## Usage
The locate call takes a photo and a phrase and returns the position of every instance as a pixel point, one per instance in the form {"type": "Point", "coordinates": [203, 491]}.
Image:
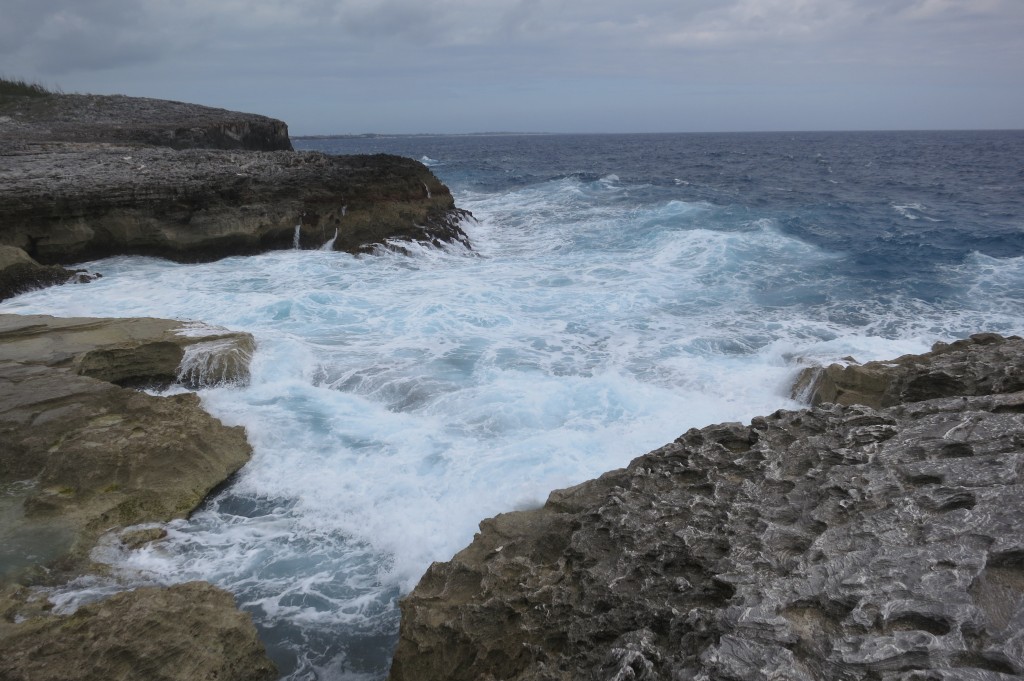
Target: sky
{"type": "Point", "coordinates": [458, 66]}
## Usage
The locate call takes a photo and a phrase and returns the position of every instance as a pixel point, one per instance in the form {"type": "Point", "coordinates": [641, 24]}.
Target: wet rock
{"type": "Point", "coordinates": [837, 542]}
{"type": "Point", "coordinates": [984, 363]}
{"type": "Point", "coordinates": [83, 455]}
{"type": "Point", "coordinates": [20, 273]}
{"type": "Point", "coordinates": [189, 632]}
{"type": "Point", "coordinates": [66, 203]}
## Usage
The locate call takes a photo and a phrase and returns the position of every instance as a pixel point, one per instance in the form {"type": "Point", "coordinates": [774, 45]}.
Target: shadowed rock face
{"type": "Point", "coordinates": [20, 273]}
{"type": "Point", "coordinates": [186, 632]}
{"type": "Point", "coordinates": [839, 542]}
{"type": "Point", "coordinates": [69, 203]}
{"type": "Point", "coordinates": [85, 177]}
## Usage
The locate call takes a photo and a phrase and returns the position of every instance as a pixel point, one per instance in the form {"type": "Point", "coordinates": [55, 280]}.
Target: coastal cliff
{"type": "Point", "coordinates": [85, 177]}
{"type": "Point", "coordinates": [838, 542]}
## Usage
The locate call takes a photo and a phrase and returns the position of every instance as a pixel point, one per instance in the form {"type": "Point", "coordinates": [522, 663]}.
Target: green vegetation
{"type": "Point", "coordinates": [16, 87]}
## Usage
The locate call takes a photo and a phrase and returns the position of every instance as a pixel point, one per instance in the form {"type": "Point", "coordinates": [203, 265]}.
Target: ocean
{"type": "Point", "coordinates": [621, 289]}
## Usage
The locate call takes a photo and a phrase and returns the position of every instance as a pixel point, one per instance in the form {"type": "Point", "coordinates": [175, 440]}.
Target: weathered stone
{"type": "Point", "coordinates": [82, 455]}
{"type": "Point", "coordinates": [85, 177]}
{"type": "Point", "coordinates": [20, 273]}
{"type": "Point", "coordinates": [135, 351]}
{"type": "Point", "coordinates": [838, 542]}
{"type": "Point", "coordinates": [136, 120]}
{"type": "Point", "coordinates": [984, 363]}
{"type": "Point", "coordinates": [65, 203]}
{"type": "Point", "coordinates": [189, 632]}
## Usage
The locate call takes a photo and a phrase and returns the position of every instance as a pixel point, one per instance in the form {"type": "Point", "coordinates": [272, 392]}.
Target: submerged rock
{"type": "Point", "coordinates": [189, 632]}
{"type": "Point", "coordinates": [838, 542]}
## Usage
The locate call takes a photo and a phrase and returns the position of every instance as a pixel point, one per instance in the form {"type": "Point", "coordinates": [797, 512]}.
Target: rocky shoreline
{"type": "Point", "coordinates": [85, 457]}
{"type": "Point", "coordinates": [85, 177]}
{"type": "Point", "coordinates": [85, 454]}
{"type": "Point", "coordinates": [843, 541]}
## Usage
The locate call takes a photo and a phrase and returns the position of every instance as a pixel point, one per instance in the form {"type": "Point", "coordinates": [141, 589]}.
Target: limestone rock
{"type": "Point", "coordinates": [838, 542]}
{"type": "Point", "coordinates": [983, 363]}
{"type": "Point", "coordinates": [137, 120]}
{"type": "Point", "coordinates": [189, 632]}
{"type": "Point", "coordinates": [83, 455]}
{"type": "Point", "coordinates": [85, 177]}
{"type": "Point", "coordinates": [20, 273]}
{"type": "Point", "coordinates": [65, 203]}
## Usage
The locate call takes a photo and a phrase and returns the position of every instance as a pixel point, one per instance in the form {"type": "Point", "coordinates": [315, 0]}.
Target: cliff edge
{"type": "Point", "coordinates": [838, 542]}
{"type": "Point", "coordinates": [85, 177]}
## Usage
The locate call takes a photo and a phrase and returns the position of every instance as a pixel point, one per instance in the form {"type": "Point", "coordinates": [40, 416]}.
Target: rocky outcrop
{"type": "Point", "coordinates": [837, 542]}
{"type": "Point", "coordinates": [983, 364]}
{"type": "Point", "coordinates": [85, 177]}
{"type": "Point", "coordinates": [20, 273]}
{"type": "Point", "coordinates": [83, 455]}
{"type": "Point", "coordinates": [136, 120]}
{"type": "Point", "coordinates": [70, 203]}
{"type": "Point", "coordinates": [189, 632]}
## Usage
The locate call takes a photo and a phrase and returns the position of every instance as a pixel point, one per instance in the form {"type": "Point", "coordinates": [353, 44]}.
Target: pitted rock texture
{"type": "Point", "coordinates": [66, 203]}
{"type": "Point", "coordinates": [136, 120]}
{"type": "Point", "coordinates": [982, 364]}
{"type": "Point", "coordinates": [189, 632]}
{"type": "Point", "coordinates": [838, 542]}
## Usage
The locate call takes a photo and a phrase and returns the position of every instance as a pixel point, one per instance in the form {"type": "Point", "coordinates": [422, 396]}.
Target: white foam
{"type": "Point", "coordinates": [395, 401]}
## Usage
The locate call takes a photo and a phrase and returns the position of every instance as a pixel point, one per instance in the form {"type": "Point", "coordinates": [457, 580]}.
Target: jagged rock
{"type": "Point", "coordinates": [838, 542]}
{"type": "Point", "coordinates": [82, 455]}
{"type": "Point", "coordinates": [20, 273]}
{"type": "Point", "coordinates": [984, 363]}
{"type": "Point", "coordinates": [189, 632]}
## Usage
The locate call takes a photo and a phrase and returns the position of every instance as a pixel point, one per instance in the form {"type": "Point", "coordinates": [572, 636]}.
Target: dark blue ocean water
{"type": "Point", "coordinates": [900, 206]}
{"type": "Point", "coordinates": [621, 289]}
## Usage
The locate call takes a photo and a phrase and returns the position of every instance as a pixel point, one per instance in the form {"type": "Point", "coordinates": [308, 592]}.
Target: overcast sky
{"type": "Point", "coordinates": [353, 66]}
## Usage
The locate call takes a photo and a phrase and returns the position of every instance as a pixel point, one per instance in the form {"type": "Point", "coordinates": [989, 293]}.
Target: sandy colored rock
{"type": "Point", "coordinates": [189, 632]}
{"type": "Point", "coordinates": [82, 455]}
{"type": "Point", "coordinates": [838, 542]}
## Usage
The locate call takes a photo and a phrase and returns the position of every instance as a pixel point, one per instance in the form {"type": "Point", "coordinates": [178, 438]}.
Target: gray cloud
{"type": "Point", "coordinates": [551, 53]}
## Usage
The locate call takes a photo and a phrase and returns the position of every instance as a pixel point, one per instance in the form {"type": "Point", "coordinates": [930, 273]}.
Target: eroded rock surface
{"type": "Point", "coordinates": [839, 542]}
{"type": "Point", "coordinates": [189, 632]}
{"type": "Point", "coordinates": [982, 364]}
{"type": "Point", "coordinates": [82, 455]}
{"type": "Point", "coordinates": [66, 203]}
{"type": "Point", "coordinates": [85, 177]}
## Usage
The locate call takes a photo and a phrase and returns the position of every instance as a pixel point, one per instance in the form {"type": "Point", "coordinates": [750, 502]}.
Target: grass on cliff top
{"type": "Point", "coordinates": [16, 87]}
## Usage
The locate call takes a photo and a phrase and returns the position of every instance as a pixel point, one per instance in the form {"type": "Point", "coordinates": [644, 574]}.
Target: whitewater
{"type": "Point", "coordinates": [397, 399]}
